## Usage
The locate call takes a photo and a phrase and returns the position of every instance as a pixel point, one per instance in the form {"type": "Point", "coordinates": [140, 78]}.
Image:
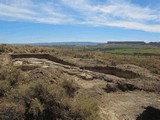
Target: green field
{"type": "Point", "coordinates": [126, 49]}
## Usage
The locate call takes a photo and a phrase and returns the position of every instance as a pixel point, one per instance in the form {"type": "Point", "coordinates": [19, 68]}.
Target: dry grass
{"type": "Point", "coordinates": [25, 49]}
{"type": "Point", "coordinates": [38, 99]}
{"type": "Point", "coordinates": [151, 63]}
{"type": "Point", "coordinates": [29, 98]}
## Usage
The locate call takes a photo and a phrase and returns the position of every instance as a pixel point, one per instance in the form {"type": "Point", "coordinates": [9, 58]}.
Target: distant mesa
{"type": "Point", "coordinates": [132, 43]}
{"type": "Point", "coordinates": [127, 42]}
{"type": "Point", "coordinates": [155, 44]}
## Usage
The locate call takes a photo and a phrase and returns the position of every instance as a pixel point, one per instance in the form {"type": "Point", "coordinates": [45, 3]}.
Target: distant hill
{"type": "Point", "coordinates": [91, 43]}
{"type": "Point", "coordinates": [66, 44]}
{"type": "Point", "coordinates": [127, 42]}
{"type": "Point", "coordinates": [154, 44]}
{"type": "Point", "coordinates": [131, 43]}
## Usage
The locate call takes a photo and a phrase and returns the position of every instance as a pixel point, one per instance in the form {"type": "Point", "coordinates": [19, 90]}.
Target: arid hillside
{"type": "Point", "coordinates": [69, 83]}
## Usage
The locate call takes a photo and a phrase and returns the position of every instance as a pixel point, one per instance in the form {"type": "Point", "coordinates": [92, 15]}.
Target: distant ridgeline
{"type": "Point", "coordinates": [154, 43]}
{"type": "Point", "coordinates": [127, 42]}
{"type": "Point", "coordinates": [133, 42]}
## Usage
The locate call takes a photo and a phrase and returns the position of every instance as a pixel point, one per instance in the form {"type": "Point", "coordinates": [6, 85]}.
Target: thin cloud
{"type": "Point", "coordinates": [116, 13]}
{"type": "Point", "coordinates": [29, 11]}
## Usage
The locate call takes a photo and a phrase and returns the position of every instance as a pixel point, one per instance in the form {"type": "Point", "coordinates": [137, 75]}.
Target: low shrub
{"type": "Point", "coordinates": [41, 99]}
{"type": "Point", "coordinates": [36, 109]}
{"type": "Point", "coordinates": [11, 111]}
{"type": "Point", "coordinates": [85, 108]}
{"type": "Point", "coordinates": [4, 87]}
{"type": "Point", "coordinates": [70, 87]}
{"type": "Point", "coordinates": [14, 75]}
{"type": "Point", "coordinates": [45, 101]}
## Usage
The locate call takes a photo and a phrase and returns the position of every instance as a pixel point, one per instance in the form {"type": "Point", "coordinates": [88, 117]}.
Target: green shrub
{"type": "Point", "coordinates": [85, 108]}
{"type": "Point", "coordinates": [50, 101]}
{"type": "Point", "coordinates": [42, 100]}
{"type": "Point", "coordinates": [14, 75]}
{"type": "Point", "coordinates": [36, 109]}
{"type": "Point", "coordinates": [4, 87]}
{"type": "Point", "coordinates": [70, 87]}
{"type": "Point", "coordinates": [3, 73]}
{"type": "Point", "coordinates": [11, 111]}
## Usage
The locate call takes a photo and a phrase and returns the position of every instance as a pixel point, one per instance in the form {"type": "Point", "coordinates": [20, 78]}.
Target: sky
{"type": "Point", "coordinates": [32, 21]}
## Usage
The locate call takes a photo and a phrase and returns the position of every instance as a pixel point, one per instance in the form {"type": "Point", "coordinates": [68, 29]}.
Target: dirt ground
{"type": "Point", "coordinates": [124, 91]}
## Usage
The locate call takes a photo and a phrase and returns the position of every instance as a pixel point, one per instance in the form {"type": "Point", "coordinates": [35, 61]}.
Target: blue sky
{"type": "Point", "coordinates": [23, 21]}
